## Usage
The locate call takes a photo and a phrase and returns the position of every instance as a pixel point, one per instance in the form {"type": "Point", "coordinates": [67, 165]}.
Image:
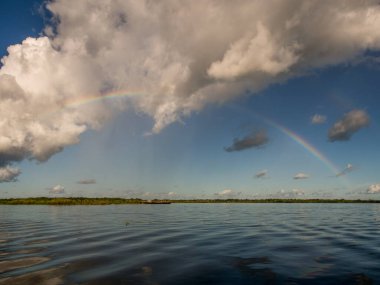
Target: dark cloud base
{"type": "Point", "coordinates": [253, 140]}
{"type": "Point", "coordinates": [348, 125]}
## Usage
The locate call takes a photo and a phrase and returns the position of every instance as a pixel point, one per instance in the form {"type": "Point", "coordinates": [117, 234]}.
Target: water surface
{"type": "Point", "coordinates": [191, 244]}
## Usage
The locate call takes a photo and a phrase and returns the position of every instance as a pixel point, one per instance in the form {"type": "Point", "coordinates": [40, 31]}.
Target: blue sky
{"type": "Point", "coordinates": [187, 158]}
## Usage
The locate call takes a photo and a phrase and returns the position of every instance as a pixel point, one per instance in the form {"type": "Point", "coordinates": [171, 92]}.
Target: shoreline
{"type": "Point", "coordinates": [136, 201]}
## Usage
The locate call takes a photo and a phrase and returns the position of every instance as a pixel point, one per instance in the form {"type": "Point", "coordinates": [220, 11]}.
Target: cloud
{"type": "Point", "coordinates": [298, 192]}
{"type": "Point", "coordinates": [288, 194]}
{"type": "Point", "coordinates": [262, 174]}
{"type": "Point", "coordinates": [227, 193]}
{"type": "Point", "coordinates": [349, 167]}
{"type": "Point", "coordinates": [176, 65]}
{"type": "Point", "coordinates": [152, 195]}
{"type": "Point", "coordinates": [57, 189]}
{"type": "Point", "coordinates": [348, 125]}
{"type": "Point", "coordinates": [253, 140]}
{"type": "Point", "coordinates": [86, 181]}
{"type": "Point", "coordinates": [318, 119]}
{"type": "Point", "coordinates": [373, 189]}
{"type": "Point", "coordinates": [9, 174]}
{"type": "Point", "coordinates": [301, 175]}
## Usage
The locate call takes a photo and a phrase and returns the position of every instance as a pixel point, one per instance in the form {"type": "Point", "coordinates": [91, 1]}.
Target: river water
{"type": "Point", "coordinates": [191, 244]}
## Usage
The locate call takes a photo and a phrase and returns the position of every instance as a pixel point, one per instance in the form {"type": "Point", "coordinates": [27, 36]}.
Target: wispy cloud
{"type": "Point", "coordinates": [318, 119]}
{"type": "Point", "coordinates": [349, 167]}
{"type": "Point", "coordinates": [351, 122]}
{"type": "Point", "coordinates": [86, 181]}
{"type": "Point", "coordinates": [252, 140]}
{"type": "Point", "coordinates": [301, 175]}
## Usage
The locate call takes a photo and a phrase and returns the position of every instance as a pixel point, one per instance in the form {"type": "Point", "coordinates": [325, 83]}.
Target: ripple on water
{"type": "Point", "coordinates": [8, 265]}
{"type": "Point", "coordinates": [190, 244]}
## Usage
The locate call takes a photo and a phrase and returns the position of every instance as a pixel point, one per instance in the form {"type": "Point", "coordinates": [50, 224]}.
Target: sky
{"type": "Point", "coordinates": [177, 99]}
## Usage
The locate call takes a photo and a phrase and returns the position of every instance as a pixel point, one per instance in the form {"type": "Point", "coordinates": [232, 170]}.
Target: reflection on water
{"type": "Point", "coordinates": [51, 276]}
{"type": "Point", "coordinates": [253, 267]}
{"type": "Point", "coordinates": [190, 244]}
{"type": "Point", "coordinates": [12, 264]}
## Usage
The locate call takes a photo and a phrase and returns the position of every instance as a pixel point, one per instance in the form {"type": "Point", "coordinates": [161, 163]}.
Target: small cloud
{"type": "Point", "coordinates": [349, 167]}
{"type": "Point", "coordinates": [301, 175]}
{"type": "Point", "coordinates": [348, 125]}
{"type": "Point", "coordinates": [9, 174]}
{"type": "Point", "coordinates": [318, 119]}
{"type": "Point", "coordinates": [262, 174]}
{"type": "Point", "coordinates": [57, 189]}
{"type": "Point", "coordinates": [288, 194]}
{"type": "Point", "coordinates": [373, 189]}
{"type": "Point", "coordinates": [86, 181]}
{"type": "Point", "coordinates": [298, 192]}
{"type": "Point", "coordinates": [153, 195]}
{"type": "Point", "coordinates": [227, 193]}
{"type": "Point", "coordinates": [253, 140]}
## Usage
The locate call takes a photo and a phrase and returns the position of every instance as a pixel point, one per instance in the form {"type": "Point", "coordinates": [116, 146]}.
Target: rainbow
{"type": "Point", "coordinates": [299, 140]}
{"type": "Point", "coordinates": [309, 147]}
{"type": "Point", "coordinates": [305, 144]}
{"type": "Point", "coordinates": [83, 100]}
{"type": "Point", "coordinates": [80, 101]}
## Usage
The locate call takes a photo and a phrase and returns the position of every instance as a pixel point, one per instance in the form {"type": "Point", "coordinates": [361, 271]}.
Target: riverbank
{"type": "Point", "coordinates": [118, 201]}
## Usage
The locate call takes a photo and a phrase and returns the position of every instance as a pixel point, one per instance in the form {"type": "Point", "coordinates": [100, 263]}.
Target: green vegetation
{"type": "Point", "coordinates": [69, 201]}
{"type": "Point", "coordinates": [116, 201]}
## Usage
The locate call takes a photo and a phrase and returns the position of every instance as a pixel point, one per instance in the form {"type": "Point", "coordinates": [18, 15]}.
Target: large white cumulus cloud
{"type": "Point", "coordinates": [36, 81]}
{"type": "Point", "coordinates": [179, 55]}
